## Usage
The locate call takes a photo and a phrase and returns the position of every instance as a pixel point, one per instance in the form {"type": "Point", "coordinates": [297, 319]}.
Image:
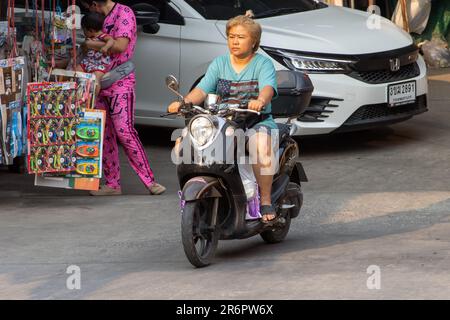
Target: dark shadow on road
{"type": "Point", "coordinates": [329, 234]}
{"type": "Point", "coordinates": [373, 140]}
{"type": "Point", "coordinates": [155, 136]}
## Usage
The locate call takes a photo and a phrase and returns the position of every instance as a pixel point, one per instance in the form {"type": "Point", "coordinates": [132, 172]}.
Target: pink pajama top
{"type": "Point", "coordinates": [121, 23]}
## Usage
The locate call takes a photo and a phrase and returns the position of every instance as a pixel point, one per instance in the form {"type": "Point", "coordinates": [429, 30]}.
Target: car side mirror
{"type": "Point", "coordinates": [151, 28]}
{"type": "Point", "coordinates": [147, 16]}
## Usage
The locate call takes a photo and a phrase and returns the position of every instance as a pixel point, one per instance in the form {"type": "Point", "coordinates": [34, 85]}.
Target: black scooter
{"type": "Point", "coordinates": [216, 200]}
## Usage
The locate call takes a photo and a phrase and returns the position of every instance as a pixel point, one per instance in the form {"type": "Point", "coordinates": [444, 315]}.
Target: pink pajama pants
{"type": "Point", "coordinates": [120, 127]}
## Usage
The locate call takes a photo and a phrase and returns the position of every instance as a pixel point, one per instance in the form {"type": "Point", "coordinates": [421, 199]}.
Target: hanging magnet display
{"type": "Point", "coordinates": [52, 127]}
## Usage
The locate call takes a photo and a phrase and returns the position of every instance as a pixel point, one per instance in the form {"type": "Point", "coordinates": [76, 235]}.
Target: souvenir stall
{"type": "Point", "coordinates": [47, 112]}
{"type": "Point", "coordinates": [12, 67]}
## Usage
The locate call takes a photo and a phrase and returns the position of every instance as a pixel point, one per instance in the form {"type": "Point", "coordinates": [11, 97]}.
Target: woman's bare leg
{"type": "Point", "coordinates": [262, 167]}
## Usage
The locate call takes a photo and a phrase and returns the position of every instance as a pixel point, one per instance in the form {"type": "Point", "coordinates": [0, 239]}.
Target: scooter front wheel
{"type": "Point", "coordinates": [199, 237]}
{"type": "Point", "coordinates": [278, 233]}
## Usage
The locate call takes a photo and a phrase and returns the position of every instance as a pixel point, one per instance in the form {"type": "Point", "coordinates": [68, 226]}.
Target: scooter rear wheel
{"type": "Point", "coordinates": [199, 239]}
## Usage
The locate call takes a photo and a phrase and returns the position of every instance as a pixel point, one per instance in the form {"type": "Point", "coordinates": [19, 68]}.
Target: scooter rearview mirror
{"type": "Point", "coordinates": [172, 84]}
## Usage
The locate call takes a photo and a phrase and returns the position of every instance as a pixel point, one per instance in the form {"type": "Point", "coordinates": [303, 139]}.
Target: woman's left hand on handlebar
{"type": "Point", "coordinates": [174, 107]}
{"type": "Point", "coordinates": [256, 105]}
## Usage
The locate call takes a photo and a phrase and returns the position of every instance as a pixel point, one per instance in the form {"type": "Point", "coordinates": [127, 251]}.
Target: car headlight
{"type": "Point", "coordinates": [309, 62]}
{"type": "Point", "coordinates": [202, 130]}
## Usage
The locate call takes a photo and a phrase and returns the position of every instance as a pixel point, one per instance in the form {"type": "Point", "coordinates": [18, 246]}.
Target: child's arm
{"type": "Point", "coordinates": [94, 45]}
{"type": "Point", "coordinates": [109, 44]}
{"type": "Point", "coordinates": [98, 45]}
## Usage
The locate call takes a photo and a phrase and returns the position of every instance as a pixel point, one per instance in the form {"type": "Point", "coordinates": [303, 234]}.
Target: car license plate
{"type": "Point", "coordinates": [401, 93]}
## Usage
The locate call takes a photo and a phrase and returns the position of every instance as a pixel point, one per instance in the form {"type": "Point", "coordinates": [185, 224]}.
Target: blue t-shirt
{"type": "Point", "coordinates": [232, 87]}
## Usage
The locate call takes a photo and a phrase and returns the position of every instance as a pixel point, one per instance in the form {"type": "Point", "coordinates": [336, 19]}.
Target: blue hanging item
{"type": "Point", "coordinates": [1, 149]}
{"type": "Point", "coordinates": [16, 134]}
{"type": "Point", "coordinates": [14, 130]}
{"type": "Point", "coordinates": [24, 129]}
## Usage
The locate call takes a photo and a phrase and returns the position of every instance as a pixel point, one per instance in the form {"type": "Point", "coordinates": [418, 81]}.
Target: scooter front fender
{"type": "Point", "coordinates": [201, 187]}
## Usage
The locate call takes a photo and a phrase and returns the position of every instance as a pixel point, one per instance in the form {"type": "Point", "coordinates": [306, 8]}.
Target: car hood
{"type": "Point", "coordinates": [334, 30]}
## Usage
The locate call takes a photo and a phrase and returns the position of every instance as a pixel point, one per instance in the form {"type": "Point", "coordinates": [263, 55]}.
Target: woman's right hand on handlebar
{"type": "Point", "coordinates": [174, 107]}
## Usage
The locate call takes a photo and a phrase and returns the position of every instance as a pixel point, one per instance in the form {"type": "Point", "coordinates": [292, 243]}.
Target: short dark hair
{"type": "Point", "coordinates": [92, 21]}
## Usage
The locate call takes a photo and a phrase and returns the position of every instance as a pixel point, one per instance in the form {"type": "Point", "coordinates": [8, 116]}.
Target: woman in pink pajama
{"type": "Point", "coordinates": [119, 100]}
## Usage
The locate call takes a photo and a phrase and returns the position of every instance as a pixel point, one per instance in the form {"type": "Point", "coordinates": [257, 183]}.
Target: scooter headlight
{"type": "Point", "coordinates": [202, 130]}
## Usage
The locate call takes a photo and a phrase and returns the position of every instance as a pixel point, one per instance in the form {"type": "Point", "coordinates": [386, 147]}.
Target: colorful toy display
{"type": "Point", "coordinates": [56, 128]}
{"type": "Point", "coordinates": [85, 155]}
{"type": "Point", "coordinates": [46, 127]}
{"type": "Point", "coordinates": [88, 147]}
{"type": "Point", "coordinates": [54, 115]}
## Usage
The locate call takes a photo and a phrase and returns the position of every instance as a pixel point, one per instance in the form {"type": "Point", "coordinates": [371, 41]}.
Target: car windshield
{"type": "Point", "coordinates": [226, 9]}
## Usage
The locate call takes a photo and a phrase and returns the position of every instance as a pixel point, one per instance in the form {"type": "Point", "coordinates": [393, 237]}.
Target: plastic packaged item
{"type": "Point", "coordinates": [85, 149]}
{"type": "Point", "coordinates": [88, 132]}
{"type": "Point", "coordinates": [251, 191]}
{"type": "Point", "coordinates": [87, 167]}
{"type": "Point", "coordinates": [24, 127]}
{"type": "Point", "coordinates": [38, 160]}
{"type": "Point", "coordinates": [3, 125]}
{"type": "Point", "coordinates": [16, 143]}
{"type": "Point", "coordinates": [51, 128]}
{"type": "Point", "coordinates": [61, 33]}
{"type": "Point", "coordinates": [436, 53]}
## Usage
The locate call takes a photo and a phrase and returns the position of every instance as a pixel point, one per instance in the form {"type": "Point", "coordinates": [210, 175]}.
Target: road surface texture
{"type": "Point", "coordinates": [375, 199]}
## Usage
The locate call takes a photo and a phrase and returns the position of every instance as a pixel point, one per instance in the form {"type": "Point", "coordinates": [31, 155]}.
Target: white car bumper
{"type": "Point", "coordinates": [344, 95]}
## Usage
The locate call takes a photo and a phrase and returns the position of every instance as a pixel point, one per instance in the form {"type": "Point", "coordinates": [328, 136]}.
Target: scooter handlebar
{"type": "Point", "coordinates": [245, 110]}
{"type": "Point", "coordinates": [187, 108]}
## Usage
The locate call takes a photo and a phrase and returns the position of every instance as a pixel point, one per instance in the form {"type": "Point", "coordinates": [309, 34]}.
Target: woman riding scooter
{"type": "Point", "coordinates": [247, 78]}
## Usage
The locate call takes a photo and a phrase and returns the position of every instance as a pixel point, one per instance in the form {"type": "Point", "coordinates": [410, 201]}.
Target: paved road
{"type": "Point", "coordinates": [380, 197]}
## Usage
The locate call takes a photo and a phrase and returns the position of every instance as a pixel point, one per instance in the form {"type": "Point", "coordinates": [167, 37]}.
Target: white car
{"type": "Point", "coordinates": [362, 76]}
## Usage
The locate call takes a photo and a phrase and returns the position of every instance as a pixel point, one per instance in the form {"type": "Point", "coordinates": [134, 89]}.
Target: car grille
{"type": "Point", "coordinates": [372, 112]}
{"type": "Point", "coordinates": [384, 76]}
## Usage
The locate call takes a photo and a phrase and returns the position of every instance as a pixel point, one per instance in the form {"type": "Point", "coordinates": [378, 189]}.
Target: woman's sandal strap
{"type": "Point", "coordinates": [265, 209]}
{"type": "Point", "coordinates": [268, 210]}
